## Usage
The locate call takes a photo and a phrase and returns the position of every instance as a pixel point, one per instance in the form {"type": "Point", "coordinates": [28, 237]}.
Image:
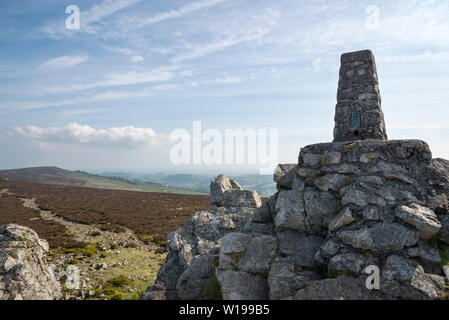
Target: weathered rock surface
{"type": "Point", "coordinates": [24, 275]}
{"type": "Point", "coordinates": [423, 218]}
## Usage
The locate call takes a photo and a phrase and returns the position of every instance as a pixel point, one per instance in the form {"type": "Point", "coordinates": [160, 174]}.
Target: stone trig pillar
{"type": "Point", "coordinates": [358, 114]}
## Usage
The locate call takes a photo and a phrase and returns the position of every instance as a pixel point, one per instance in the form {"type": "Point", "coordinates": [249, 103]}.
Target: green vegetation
{"type": "Point", "coordinates": [120, 281]}
{"type": "Point", "coordinates": [88, 251]}
{"type": "Point", "coordinates": [212, 291]}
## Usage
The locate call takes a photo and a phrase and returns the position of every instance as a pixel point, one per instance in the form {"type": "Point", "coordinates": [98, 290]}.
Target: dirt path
{"type": "Point", "coordinates": [85, 232]}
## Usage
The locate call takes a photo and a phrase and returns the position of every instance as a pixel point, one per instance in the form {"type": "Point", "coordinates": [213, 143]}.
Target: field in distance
{"type": "Point", "coordinates": [55, 175]}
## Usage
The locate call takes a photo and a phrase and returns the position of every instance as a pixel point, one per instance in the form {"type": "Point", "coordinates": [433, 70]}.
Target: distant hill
{"type": "Point", "coordinates": [264, 185]}
{"type": "Point", "coordinates": [55, 175]}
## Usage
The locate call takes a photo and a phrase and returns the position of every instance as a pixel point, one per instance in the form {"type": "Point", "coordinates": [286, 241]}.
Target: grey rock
{"type": "Point", "coordinates": [340, 288]}
{"type": "Point", "coordinates": [290, 211]}
{"type": "Point", "coordinates": [218, 188]}
{"type": "Point", "coordinates": [331, 157]}
{"type": "Point", "coordinates": [284, 174]}
{"type": "Point", "coordinates": [413, 252]}
{"type": "Point", "coordinates": [429, 255]}
{"type": "Point", "coordinates": [446, 272]}
{"type": "Point", "coordinates": [438, 202]}
{"type": "Point", "coordinates": [299, 248]}
{"type": "Point", "coordinates": [263, 214]}
{"type": "Point", "coordinates": [233, 246]}
{"type": "Point", "coordinates": [285, 279]}
{"type": "Point", "coordinates": [258, 228]}
{"type": "Point", "coordinates": [409, 274]}
{"type": "Point", "coordinates": [347, 262]}
{"type": "Point", "coordinates": [238, 285]}
{"type": "Point", "coordinates": [444, 234]}
{"type": "Point", "coordinates": [343, 218]}
{"type": "Point", "coordinates": [24, 275]}
{"type": "Point", "coordinates": [259, 255]}
{"type": "Point", "coordinates": [333, 182]}
{"type": "Point", "coordinates": [424, 219]}
{"type": "Point", "coordinates": [320, 207]}
{"type": "Point", "coordinates": [192, 281]}
{"type": "Point", "coordinates": [241, 198]}
{"type": "Point", "coordinates": [371, 214]}
{"type": "Point", "coordinates": [381, 237]}
{"type": "Point", "coordinates": [372, 179]}
{"type": "Point", "coordinates": [311, 159]}
{"type": "Point", "coordinates": [360, 198]}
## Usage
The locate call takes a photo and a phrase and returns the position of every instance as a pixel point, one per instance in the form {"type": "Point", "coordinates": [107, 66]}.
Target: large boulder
{"type": "Point", "coordinates": [24, 275]}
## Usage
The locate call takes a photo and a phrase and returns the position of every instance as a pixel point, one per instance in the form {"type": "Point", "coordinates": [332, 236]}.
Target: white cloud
{"type": "Point", "coordinates": [227, 80]}
{"type": "Point", "coordinates": [117, 137]}
{"type": "Point", "coordinates": [63, 62]}
{"type": "Point", "coordinates": [137, 59]}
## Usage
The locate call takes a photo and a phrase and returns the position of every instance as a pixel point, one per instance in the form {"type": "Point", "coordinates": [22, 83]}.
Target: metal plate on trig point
{"type": "Point", "coordinates": [355, 120]}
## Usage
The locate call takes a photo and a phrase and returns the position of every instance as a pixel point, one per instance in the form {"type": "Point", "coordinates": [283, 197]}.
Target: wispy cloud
{"type": "Point", "coordinates": [177, 13]}
{"type": "Point", "coordinates": [56, 28]}
{"type": "Point", "coordinates": [120, 79]}
{"type": "Point", "coordinates": [78, 100]}
{"type": "Point", "coordinates": [61, 63]}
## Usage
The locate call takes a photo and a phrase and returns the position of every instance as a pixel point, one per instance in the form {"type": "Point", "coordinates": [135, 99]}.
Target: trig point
{"type": "Point", "coordinates": [358, 114]}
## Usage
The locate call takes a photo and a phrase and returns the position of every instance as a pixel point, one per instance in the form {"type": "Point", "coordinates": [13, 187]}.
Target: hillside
{"type": "Point", "coordinates": [55, 175]}
{"type": "Point", "coordinates": [264, 185]}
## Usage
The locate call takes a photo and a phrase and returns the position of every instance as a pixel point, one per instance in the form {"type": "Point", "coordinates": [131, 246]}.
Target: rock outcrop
{"type": "Point", "coordinates": [344, 210]}
{"type": "Point", "coordinates": [23, 273]}
{"type": "Point", "coordinates": [193, 249]}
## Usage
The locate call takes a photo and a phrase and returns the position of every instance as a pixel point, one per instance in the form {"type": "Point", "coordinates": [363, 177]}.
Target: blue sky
{"type": "Point", "coordinates": [107, 96]}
